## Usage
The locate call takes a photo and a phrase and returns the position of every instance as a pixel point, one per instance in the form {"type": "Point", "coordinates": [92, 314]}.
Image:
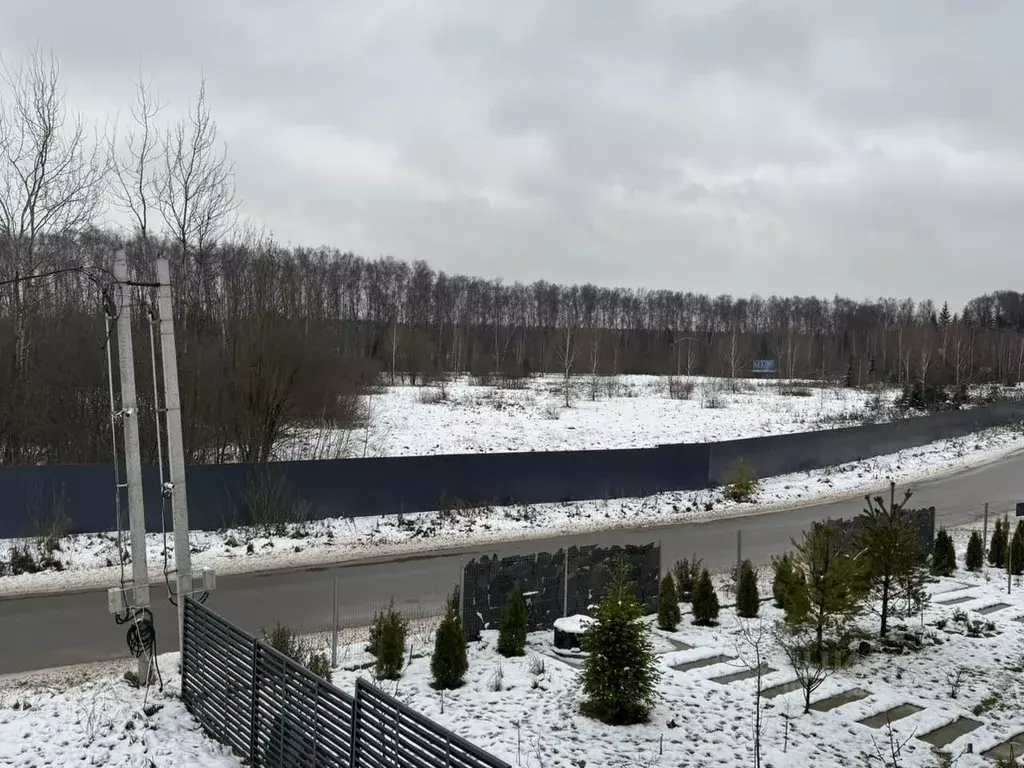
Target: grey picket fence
{"type": "Point", "coordinates": [273, 712]}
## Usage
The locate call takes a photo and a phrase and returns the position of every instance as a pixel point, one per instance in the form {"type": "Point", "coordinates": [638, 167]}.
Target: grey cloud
{"type": "Point", "coordinates": [772, 145]}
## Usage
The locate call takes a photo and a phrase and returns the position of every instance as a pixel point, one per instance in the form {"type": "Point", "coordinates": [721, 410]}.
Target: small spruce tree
{"type": "Point", "coordinates": [512, 627]}
{"type": "Point", "coordinates": [686, 573]}
{"type": "Point", "coordinates": [742, 485]}
{"type": "Point", "coordinates": [975, 556]}
{"type": "Point", "coordinates": [705, 601]}
{"type": "Point", "coordinates": [783, 579]}
{"type": "Point", "coordinates": [748, 601]}
{"type": "Point", "coordinates": [943, 555]}
{"type": "Point", "coordinates": [621, 672]}
{"type": "Point", "coordinates": [896, 563]}
{"type": "Point", "coordinates": [387, 642]}
{"type": "Point", "coordinates": [1017, 550]}
{"type": "Point", "coordinates": [997, 547]}
{"type": "Point", "coordinates": [449, 664]}
{"type": "Point", "coordinates": [668, 605]}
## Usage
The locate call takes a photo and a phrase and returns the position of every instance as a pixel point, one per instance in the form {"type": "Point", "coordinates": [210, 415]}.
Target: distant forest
{"type": "Point", "coordinates": [273, 339]}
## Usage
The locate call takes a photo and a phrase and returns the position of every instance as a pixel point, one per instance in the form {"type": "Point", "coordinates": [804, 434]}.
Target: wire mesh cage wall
{"type": "Point", "coordinates": [273, 712]}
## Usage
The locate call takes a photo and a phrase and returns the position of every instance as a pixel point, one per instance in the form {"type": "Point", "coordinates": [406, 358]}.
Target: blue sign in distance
{"type": "Point", "coordinates": [764, 366]}
{"type": "Point", "coordinates": [1020, 509]}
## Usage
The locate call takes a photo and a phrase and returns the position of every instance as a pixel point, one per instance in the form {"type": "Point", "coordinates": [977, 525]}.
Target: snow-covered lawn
{"type": "Point", "coordinates": [527, 710]}
{"type": "Point", "coordinates": [103, 721]}
{"type": "Point", "coordinates": [625, 412]}
{"type": "Point", "coordinates": [89, 560]}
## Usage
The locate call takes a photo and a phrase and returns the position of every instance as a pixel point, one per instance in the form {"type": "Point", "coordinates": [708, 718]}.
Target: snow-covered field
{"type": "Point", "coordinates": [527, 710]}
{"type": "Point", "coordinates": [89, 560]}
{"type": "Point", "coordinates": [619, 412]}
{"type": "Point", "coordinates": [47, 720]}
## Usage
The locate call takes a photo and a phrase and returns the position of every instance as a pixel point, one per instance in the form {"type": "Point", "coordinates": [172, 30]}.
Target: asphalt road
{"type": "Point", "coordinates": [65, 629]}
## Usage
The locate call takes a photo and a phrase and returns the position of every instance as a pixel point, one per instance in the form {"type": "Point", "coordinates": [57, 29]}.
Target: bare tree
{"type": "Point", "coordinates": [196, 193]}
{"type": "Point", "coordinates": [752, 646]}
{"type": "Point", "coordinates": [50, 183]}
{"type": "Point", "coordinates": [811, 665]}
{"type": "Point", "coordinates": [135, 184]}
{"type": "Point", "coordinates": [568, 349]}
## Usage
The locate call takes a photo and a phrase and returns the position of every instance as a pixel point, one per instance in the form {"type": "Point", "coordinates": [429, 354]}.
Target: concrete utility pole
{"type": "Point", "coordinates": [175, 443]}
{"type": "Point", "coordinates": [132, 453]}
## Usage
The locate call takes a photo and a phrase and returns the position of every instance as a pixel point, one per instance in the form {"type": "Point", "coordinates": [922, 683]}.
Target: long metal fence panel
{"type": "Point", "coordinates": [216, 676]}
{"type": "Point", "coordinates": [299, 719]}
{"type": "Point", "coordinates": [389, 733]}
{"type": "Point", "coordinates": [275, 713]}
{"type": "Point", "coordinates": [219, 495]}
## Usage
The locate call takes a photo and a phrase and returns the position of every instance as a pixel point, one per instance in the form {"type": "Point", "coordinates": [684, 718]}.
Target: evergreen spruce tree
{"type": "Point", "coordinates": [512, 626]}
{"type": "Point", "coordinates": [975, 554]}
{"type": "Point", "coordinates": [997, 547]}
{"type": "Point", "coordinates": [748, 600]}
{"type": "Point", "coordinates": [784, 579]}
{"type": "Point", "coordinates": [686, 573]}
{"type": "Point", "coordinates": [668, 605]}
{"type": "Point", "coordinates": [387, 642]}
{"type": "Point", "coordinates": [620, 673]}
{"type": "Point", "coordinates": [943, 555]}
{"type": "Point", "coordinates": [449, 664]}
{"type": "Point", "coordinates": [828, 590]}
{"type": "Point", "coordinates": [1017, 550]}
{"type": "Point", "coordinates": [705, 601]}
{"type": "Point", "coordinates": [895, 559]}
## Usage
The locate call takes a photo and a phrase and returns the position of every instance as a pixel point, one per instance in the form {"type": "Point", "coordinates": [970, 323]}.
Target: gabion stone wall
{"type": "Point", "coordinates": [554, 585]}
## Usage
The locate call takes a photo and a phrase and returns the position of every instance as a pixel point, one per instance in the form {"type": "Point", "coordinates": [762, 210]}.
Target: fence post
{"type": "Point", "coordinates": [254, 706]}
{"type": "Point", "coordinates": [984, 537]}
{"type": "Point", "coordinates": [459, 578]}
{"type": "Point", "coordinates": [565, 584]}
{"type": "Point", "coordinates": [334, 625]}
{"type": "Point", "coordinates": [354, 740]}
{"type": "Point", "coordinates": [739, 552]}
{"type": "Point", "coordinates": [184, 653]}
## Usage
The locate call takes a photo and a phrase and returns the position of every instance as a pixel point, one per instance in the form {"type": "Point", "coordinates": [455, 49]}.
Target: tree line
{"type": "Point", "coordinates": [273, 338]}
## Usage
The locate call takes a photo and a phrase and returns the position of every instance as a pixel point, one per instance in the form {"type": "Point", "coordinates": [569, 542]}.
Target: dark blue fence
{"type": "Point", "coordinates": [223, 496]}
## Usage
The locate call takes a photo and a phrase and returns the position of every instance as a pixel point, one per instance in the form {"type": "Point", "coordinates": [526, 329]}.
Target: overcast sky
{"type": "Point", "coordinates": [791, 146]}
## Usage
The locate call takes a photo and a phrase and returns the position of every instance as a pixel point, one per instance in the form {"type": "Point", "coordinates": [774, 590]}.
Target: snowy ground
{"type": "Point", "coordinates": [619, 412]}
{"type": "Point", "coordinates": [47, 720]}
{"type": "Point", "coordinates": [527, 710]}
{"type": "Point", "coordinates": [88, 560]}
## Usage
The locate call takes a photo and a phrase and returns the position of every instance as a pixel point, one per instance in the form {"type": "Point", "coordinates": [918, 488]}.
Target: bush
{"type": "Point", "coordinates": [512, 627]}
{"type": "Point", "coordinates": [1017, 550]}
{"type": "Point", "coordinates": [23, 561]}
{"type": "Point", "coordinates": [944, 555]}
{"type": "Point", "coordinates": [705, 601]}
{"type": "Point", "coordinates": [742, 485]}
{"type": "Point", "coordinates": [287, 641]}
{"type": "Point", "coordinates": [997, 548]}
{"type": "Point", "coordinates": [668, 605]}
{"type": "Point", "coordinates": [680, 389]}
{"type": "Point", "coordinates": [621, 672]}
{"type": "Point", "coordinates": [686, 573]}
{"type": "Point", "coordinates": [387, 642]}
{"type": "Point", "coordinates": [748, 601]}
{"type": "Point", "coordinates": [975, 554]}
{"type": "Point", "coordinates": [449, 664]}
